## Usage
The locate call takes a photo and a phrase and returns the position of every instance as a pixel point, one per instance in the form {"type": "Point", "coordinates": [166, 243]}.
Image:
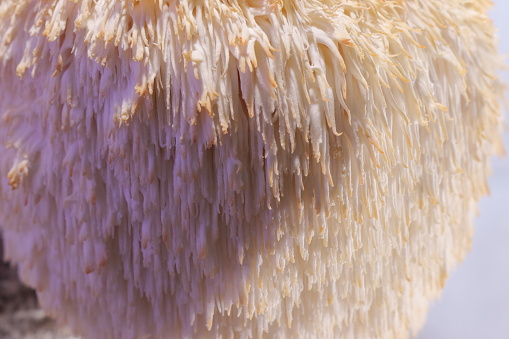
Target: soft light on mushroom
{"type": "Point", "coordinates": [243, 168]}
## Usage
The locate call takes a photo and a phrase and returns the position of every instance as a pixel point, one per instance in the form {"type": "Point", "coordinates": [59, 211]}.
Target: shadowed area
{"type": "Point", "coordinates": [20, 315]}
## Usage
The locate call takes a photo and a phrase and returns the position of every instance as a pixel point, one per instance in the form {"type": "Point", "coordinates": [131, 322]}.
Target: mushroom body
{"type": "Point", "coordinates": [214, 168]}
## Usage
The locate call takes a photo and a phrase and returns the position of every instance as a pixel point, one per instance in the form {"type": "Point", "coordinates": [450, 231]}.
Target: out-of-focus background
{"type": "Point", "coordinates": [475, 302]}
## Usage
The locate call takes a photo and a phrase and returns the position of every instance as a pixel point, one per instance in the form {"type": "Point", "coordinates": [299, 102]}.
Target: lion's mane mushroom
{"type": "Point", "coordinates": [241, 167]}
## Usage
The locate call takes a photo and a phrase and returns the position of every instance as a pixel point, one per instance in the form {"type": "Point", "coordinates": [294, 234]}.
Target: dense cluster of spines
{"type": "Point", "coordinates": [232, 168]}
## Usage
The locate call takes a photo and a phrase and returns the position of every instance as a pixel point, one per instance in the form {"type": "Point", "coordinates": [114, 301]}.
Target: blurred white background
{"type": "Point", "coordinates": [475, 302]}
